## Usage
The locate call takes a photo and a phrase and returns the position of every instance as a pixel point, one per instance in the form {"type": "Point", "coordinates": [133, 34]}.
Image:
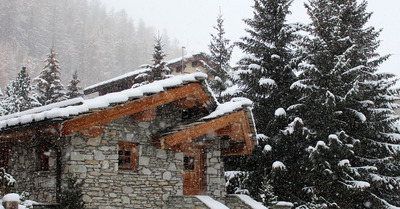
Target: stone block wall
{"type": "Point", "coordinates": [214, 172]}
{"type": "Point", "coordinates": [24, 166]}
{"type": "Point", "coordinates": [184, 202]}
{"type": "Point", "coordinates": [158, 173]}
{"type": "Point", "coordinates": [233, 202]}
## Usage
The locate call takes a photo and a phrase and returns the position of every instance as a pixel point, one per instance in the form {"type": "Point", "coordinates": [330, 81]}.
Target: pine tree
{"type": "Point", "coordinates": [48, 86]}
{"type": "Point", "coordinates": [18, 94]}
{"type": "Point", "coordinates": [73, 89]}
{"type": "Point", "coordinates": [158, 69]}
{"type": "Point", "coordinates": [71, 195]}
{"type": "Point", "coordinates": [349, 107]}
{"type": "Point", "coordinates": [221, 52]}
{"type": "Point", "coordinates": [266, 75]}
{"type": "Point", "coordinates": [3, 110]}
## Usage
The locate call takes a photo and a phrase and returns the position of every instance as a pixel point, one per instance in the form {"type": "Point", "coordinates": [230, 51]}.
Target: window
{"type": "Point", "coordinates": [126, 155]}
{"type": "Point", "coordinates": [44, 157]}
{"type": "Point", "coordinates": [188, 163]}
{"type": "Point", "coordinates": [4, 157]}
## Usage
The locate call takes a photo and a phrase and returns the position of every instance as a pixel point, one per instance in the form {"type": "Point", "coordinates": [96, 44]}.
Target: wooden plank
{"type": "Point", "coordinates": [27, 134]}
{"type": "Point", "coordinates": [247, 134]}
{"type": "Point", "coordinates": [235, 125]}
{"type": "Point", "coordinates": [144, 116]}
{"type": "Point", "coordinates": [112, 113]}
{"type": "Point", "coordinates": [199, 130]}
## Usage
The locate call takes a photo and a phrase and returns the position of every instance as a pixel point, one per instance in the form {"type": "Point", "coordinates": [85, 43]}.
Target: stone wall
{"type": "Point", "coordinates": [184, 202]}
{"type": "Point", "coordinates": [233, 202]}
{"type": "Point", "coordinates": [24, 166]}
{"type": "Point", "coordinates": [215, 180]}
{"type": "Point", "coordinates": [158, 173]}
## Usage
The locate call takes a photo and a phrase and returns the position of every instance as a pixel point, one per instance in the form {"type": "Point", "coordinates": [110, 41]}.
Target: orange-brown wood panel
{"type": "Point", "coordinates": [199, 130]}
{"type": "Point", "coordinates": [234, 125]}
{"type": "Point", "coordinates": [186, 103]}
{"type": "Point", "coordinates": [144, 116]}
{"type": "Point", "coordinates": [50, 130]}
{"type": "Point", "coordinates": [92, 131]}
{"type": "Point", "coordinates": [136, 106]}
{"type": "Point", "coordinates": [193, 171]}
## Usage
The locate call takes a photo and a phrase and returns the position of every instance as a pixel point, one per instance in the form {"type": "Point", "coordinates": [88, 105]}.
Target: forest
{"type": "Point", "coordinates": [88, 38]}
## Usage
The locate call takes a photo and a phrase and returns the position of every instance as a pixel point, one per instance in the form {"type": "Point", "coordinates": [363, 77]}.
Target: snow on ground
{"type": "Point", "coordinates": [210, 202]}
{"type": "Point", "coordinates": [79, 105]}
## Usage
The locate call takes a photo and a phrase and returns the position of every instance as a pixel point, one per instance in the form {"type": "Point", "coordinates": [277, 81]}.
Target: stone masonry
{"type": "Point", "coordinates": [157, 177]}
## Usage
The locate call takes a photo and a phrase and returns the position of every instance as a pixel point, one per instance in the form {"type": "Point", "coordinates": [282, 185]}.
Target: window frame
{"type": "Point", "coordinates": [44, 159]}
{"type": "Point", "coordinates": [188, 163]}
{"type": "Point", "coordinates": [132, 156]}
{"type": "Point", "coordinates": [4, 153]}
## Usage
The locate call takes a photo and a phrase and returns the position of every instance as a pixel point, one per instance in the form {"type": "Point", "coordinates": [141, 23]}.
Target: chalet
{"type": "Point", "coordinates": [198, 62]}
{"type": "Point", "coordinates": [155, 146]}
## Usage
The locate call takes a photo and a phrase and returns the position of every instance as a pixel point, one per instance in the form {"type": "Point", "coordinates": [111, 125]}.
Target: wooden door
{"type": "Point", "coordinates": [193, 171]}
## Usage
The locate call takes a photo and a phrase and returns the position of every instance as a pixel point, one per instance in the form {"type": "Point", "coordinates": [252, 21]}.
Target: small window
{"type": "Point", "coordinates": [188, 163]}
{"type": "Point", "coordinates": [126, 155]}
{"type": "Point", "coordinates": [4, 157]}
{"type": "Point", "coordinates": [44, 157]}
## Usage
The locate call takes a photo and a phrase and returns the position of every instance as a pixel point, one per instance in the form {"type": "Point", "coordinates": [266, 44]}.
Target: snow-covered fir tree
{"type": "Point", "coordinates": [73, 90]}
{"type": "Point", "coordinates": [265, 76]}
{"type": "Point", "coordinates": [48, 87]}
{"type": "Point", "coordinates": [349, 108]}
{"type": "Point", "coordinates": [266, 72]}
{"type": "Point", "coordinates": [18, 94]}
{"type": "Point", "coordinates": [3, 111]}
{"type": "Point", "coordinates": [158, 69]}
{"type": "Point", "coordinates": [221, 52]}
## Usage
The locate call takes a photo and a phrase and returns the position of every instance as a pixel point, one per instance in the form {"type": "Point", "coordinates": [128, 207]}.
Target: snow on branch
{"type": "Point", "coordinates": [358, 184]}
{"type": "Point", "coordinates": [388, 206]}
{"type": "Point", "coordinates": [266, 82]}
{"type": "Point", "coordinates": [359, 115]}
{"type": "Point", "coordinates": [394, 137]}
{"type": "Point", "coordinates": [278, 165]}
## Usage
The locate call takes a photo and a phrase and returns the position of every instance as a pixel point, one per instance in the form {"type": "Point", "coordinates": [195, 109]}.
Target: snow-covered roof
{"type": "Point", "coordinates": [186, 57]}
{"type": "Point", "coordinates": [79, 105]}
{"type": "Point", "coordinates": [229, 107]}
{"type": "Point", "coordinates": [124, 76]}
{"type": "Point", "coordinates": [143, 69]}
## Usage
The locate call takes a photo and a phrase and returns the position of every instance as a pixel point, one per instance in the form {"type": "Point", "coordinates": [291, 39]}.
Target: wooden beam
{"type": "Point", "coordinates": [201, 129]}
{"type": "Point", "coordinates": [93, 131]}
{"type": "Point", "coordinates": [112, 113]}
{"type": "Point", "coordinates": [144, 116]}
{"type": "Point", "coordinates": [27, 134]}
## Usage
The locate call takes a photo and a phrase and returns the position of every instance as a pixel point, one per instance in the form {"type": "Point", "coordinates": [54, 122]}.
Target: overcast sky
{"type": "Point", "coordinates": [191, 21]}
